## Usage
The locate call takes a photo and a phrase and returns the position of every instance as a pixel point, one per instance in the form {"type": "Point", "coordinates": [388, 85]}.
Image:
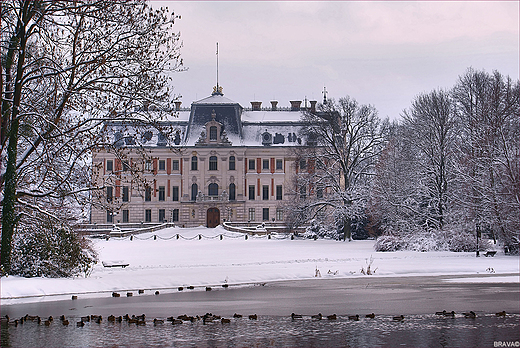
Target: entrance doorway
{"type": "Point", "coordinates": [213, 217]}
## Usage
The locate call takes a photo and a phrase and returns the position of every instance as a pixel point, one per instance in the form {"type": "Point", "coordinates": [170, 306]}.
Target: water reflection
{"type": "Point", "coordinates": [271, 331]}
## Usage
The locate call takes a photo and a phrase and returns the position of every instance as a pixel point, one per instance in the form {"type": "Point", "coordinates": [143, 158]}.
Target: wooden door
{"type": "Point", "coordinates": [213, 217]}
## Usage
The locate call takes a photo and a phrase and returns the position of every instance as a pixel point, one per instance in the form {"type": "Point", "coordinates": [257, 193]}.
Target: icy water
{"type": "Point", "coordinates": [487, 330]}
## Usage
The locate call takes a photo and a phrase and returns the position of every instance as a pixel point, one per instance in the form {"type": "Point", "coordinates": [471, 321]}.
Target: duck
{"type": "Point", "coordinates": [354, 317]}
{"type": "Point", "coordinates": [253, 317]}
{"type": "Point", "coordinates": [237, 315]}
{"type": "Point", "coordinates": [296, 316]}
{"type": "Point", "coordinates": [157, 292]}
{"type": "Point", "coordinates": [87, 318]}
{"type": "Point", "coordinates": [225, 321]}
{"type": "Point", "coordinates": [208, 288]}
{"type": "Point", "coordinates": [176, 321]}
{"type": "Point", "coordinates": [158, 321]}
{"type": "Point", "coordinates": [317, 316]}
{"type": "Point", "coordinates": [450, 314]}
{"type": "Point", "coordinates": [398, 318]}
{"type": "Point", "coordinates": [47, 322]}
{"type": "Point", "coordinates": [115, 294]}
{"type": "Point", "coordinates": [65, 322]}
{"type": "Point", "coordinates": [470, 314]}
{"type": "Point", "coordinates": [140, 292]}
{"type": "Point", "coordinates": [332, 317]}
{"type": "Point", "coordinates": [62, 317]}
{"type": "Point", "coordinates": [371, 316]}
{"type": "Point", "coordinates": [441, 313]}
{"type": "Point", "coordinates": [4, 319]}
{"type": "Point", "coordinates": [111, 318]}
{"type": "Point", "coordinates": [50, 318]}
{"type": "Point", "coordinates": [501, 314]}
{"type": "Point", "coordinates": [80, 324]}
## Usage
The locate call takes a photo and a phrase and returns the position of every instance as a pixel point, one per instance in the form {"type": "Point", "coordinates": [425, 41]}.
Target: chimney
{"type": "Point", "coordinates": [313, 105]}
{"type": "Point", "coordinates": [273, 105]}
{"type": "Point", "coordinates": [256, 105]}
{"type": "Point", "coordinates": [178, 105]}
{"type": "Point", "coordinates": [295, 105]}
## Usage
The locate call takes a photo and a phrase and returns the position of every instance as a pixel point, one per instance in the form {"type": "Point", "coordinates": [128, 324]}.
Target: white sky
{"type": "Point", "coordinates": [380, 53]}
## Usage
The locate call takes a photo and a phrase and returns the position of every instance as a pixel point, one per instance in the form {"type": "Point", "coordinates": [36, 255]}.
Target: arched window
{"type": "Point", "coordinates": [194, 163]}
{"type": "Point", "coordinates": [213, 189]}
{"type": "Point", "coordinates": [232, 192]}
{"type": "Point", "coordinates": [231, 162]}
{"type": "Point", "coordinates": [194, 191]}
{"type": "Point", "coordinates": [213, 163]}
{"type": "Point", "coordinates": [213, 133]}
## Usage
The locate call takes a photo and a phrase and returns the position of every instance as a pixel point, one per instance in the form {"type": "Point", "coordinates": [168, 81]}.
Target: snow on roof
{"type": "Point", "coordinates": [271, 116]}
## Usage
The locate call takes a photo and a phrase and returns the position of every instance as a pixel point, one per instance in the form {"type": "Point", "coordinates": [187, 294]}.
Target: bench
{"type": "Point", "coordinates": [121, 264]}
{"type": "Point", "coordinates": [490, 253]}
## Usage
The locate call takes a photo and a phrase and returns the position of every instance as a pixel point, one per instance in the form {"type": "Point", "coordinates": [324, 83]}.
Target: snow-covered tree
{"type": "Point", "coordinates": [344, 140]}
{"type": "Point", "coordinates": [488, 160]}
{"type": "Point", "coordinates": [67, 68]}
{"type": "Point", "coordinates": [431, 124]}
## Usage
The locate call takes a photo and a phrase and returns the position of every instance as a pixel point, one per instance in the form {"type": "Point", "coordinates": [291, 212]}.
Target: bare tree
{"type": "Point", "coordinates": [345, 140]}
{"type": "Point", "coordinates": [67, 68]}
{"type": "Point", "coordinates": [431, 120]}
{"type": "Point", "coordinates": [488, 168]}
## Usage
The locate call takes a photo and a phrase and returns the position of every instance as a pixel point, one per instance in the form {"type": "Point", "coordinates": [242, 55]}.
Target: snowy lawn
{"type": "Point", "coordinates": [166, 263]}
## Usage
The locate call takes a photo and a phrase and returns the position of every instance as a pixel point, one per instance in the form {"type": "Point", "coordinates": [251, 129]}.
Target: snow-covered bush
{"type": "Point", "coordinates": [467, 242]}
{"type": "Point", "coordinates": [388, 243]}
{"type": "Point", "coordinates": [50, 251]}
{"type": "Point", "coordinates": [318, 229]}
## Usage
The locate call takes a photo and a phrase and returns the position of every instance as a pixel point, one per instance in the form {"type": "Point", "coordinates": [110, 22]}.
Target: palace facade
{"type": "Point", "coordinates": [225, 163]}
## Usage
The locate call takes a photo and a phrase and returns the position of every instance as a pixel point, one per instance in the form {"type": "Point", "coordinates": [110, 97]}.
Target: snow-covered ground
{"type": "Point", "coordinates": [166, 262]}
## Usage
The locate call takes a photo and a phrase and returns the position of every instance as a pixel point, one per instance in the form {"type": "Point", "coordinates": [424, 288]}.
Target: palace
{"type": "Point", "coordinates": [225, 163]}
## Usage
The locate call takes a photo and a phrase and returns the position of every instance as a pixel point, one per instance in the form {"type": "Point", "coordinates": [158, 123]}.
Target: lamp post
{"type": "Point", "coordinates": [478, 236]}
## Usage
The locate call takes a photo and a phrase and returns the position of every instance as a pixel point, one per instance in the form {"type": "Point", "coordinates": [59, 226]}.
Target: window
{"type": "Point", "coordinates": [279, 214]}
{"type": "Point", "coordinates": [194, 192]}
{"type": "Point", "coordinates": [265, 192]}
{"type": "Point", "coordinates": [319, 192]}
{"type": "Point", "coordinates": [148, 194]}
{"type": "Point", "coordinates": [213, 189]}
{"type": "Point", "coordinates": [148, 166]}
{"type": "Point", "coordinates": [162, 215]}
{"type": "Point", "coordinates": [303, 192]}
{"type": "Point", "coordinates": [251, 216]}
{"type": "Point", "coordinates": [265, 164]}
{"type": "Point", "coordinates": [110, 166]}
{"type": "Point", "coordinates": [303, 164]}
{"type": "Point", "coordinates": [110, 217]}
{"type": "Point", "coordinates": [213, 163]}
{"type": "Point", "coordinates": [126, 166]}
{"type": "Point", "coordinates": [110, 194]}
{"type": "Point", "coordinates": [279, 192]}
{"type": "Point", "coordinates": [175, 193]}
{"type": "Point", "coordinates": [161, 193]}
{"type": "Point", "coordinates": [232, 194]}
{"type": "Point", "coordinates": [148, 215]}
{"type": "Point", "coordinates": [279, 164]}
{"type": "Point", "coordinates": [126, 196]}
{"type": "Point", "coordinates": [251, 164]}
{"type": "Point", "coordinates": [213, 133]}
{"type": "Point", "coordinates": [194, 162]}
{"type": "Point", "coordinates": [175, 215]}
{"type": "Point", "coordinates": [251, 192]}
{"type": "Point", "coordinates": [162, 165]}
{"type": "Point", "coordinates": [125, 215]}
{"type": "Point", "coordinates": [265, 214]}
{"type": "Point", "coordinates": [175, 164]}
{"type": "Point", "coordinates": [231, 162]}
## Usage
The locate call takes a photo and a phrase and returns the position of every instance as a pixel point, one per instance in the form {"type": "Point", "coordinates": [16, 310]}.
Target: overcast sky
{"type": "Point", "coordinates": [380, 53]}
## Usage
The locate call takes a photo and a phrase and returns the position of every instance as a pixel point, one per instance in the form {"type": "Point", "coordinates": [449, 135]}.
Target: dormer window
{"type": "Point", "coordinates": [213, 133]}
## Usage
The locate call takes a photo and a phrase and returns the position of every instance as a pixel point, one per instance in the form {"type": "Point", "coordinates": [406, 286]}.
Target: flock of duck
{"type": "Point", "coordinates": [206, 318]}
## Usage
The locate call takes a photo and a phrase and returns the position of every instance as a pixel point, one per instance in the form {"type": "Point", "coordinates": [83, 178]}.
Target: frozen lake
{"type": "Point", "coordinates": [417, 298]}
